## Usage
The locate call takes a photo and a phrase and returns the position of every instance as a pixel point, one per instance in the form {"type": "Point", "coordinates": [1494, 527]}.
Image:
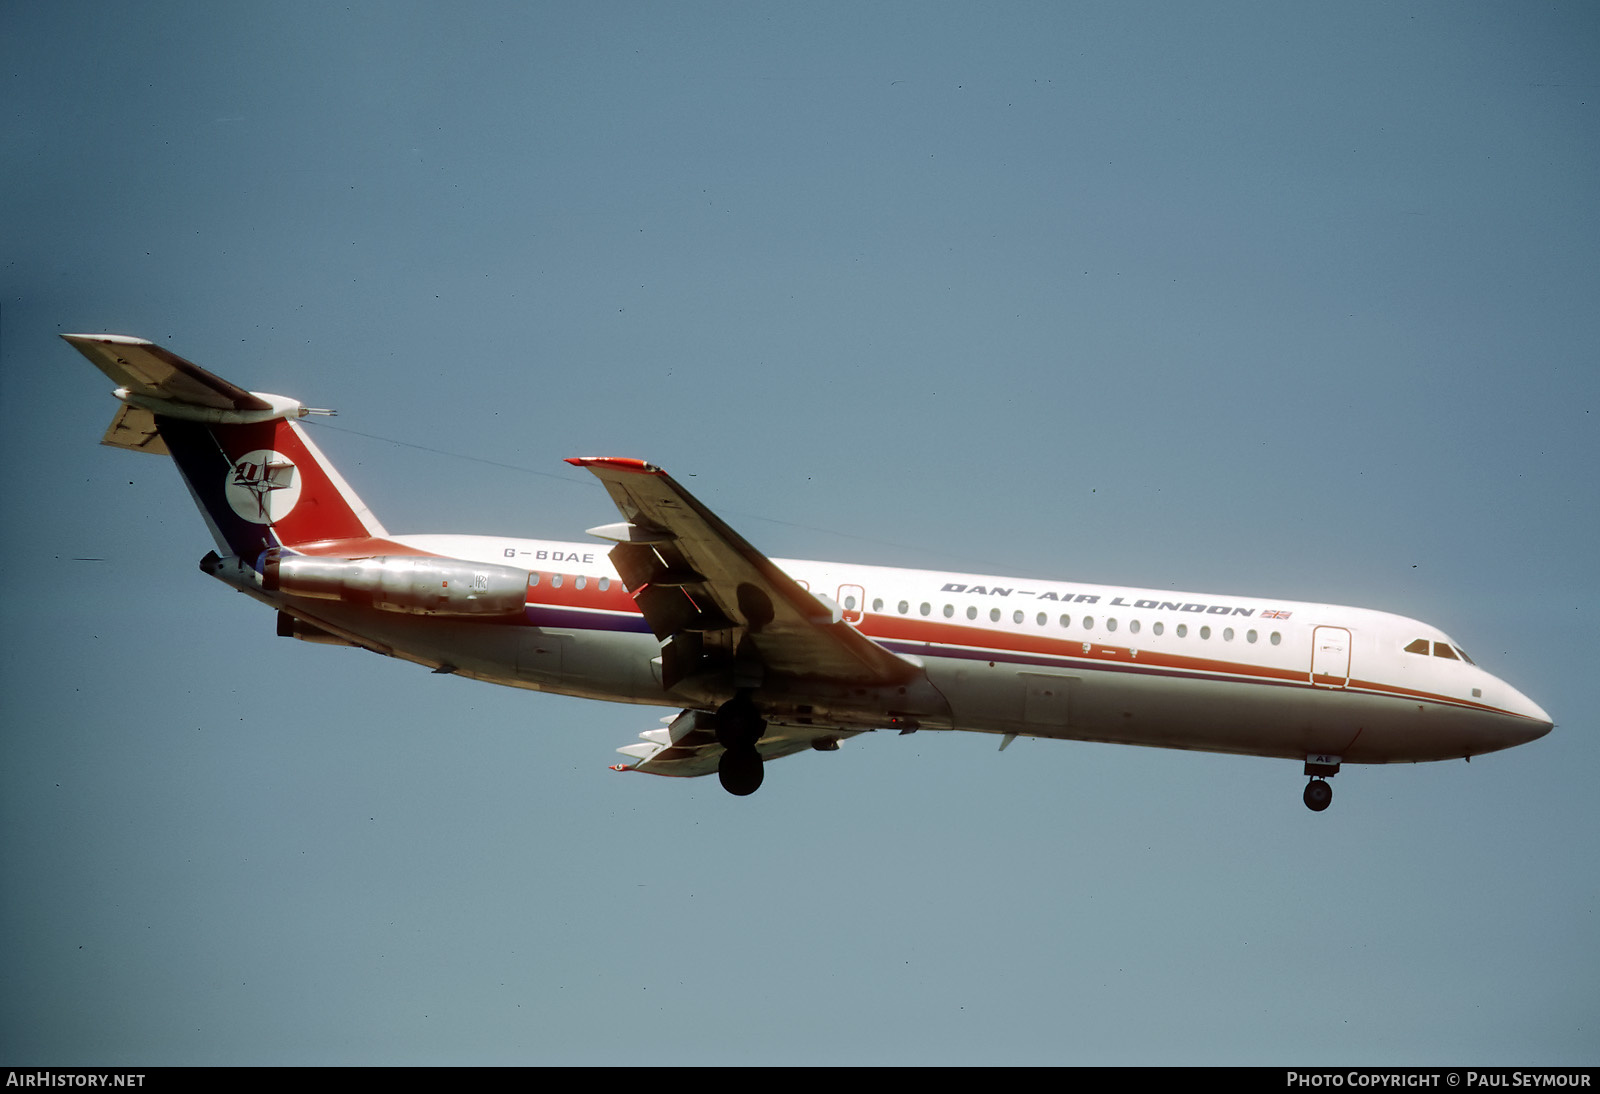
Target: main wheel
{"type": "Point", "coordinates": [1319, 795]}
{"type": "Point", "coordinates": [739, 723]}
{"type": "Point", "coordinates": [740, 770]}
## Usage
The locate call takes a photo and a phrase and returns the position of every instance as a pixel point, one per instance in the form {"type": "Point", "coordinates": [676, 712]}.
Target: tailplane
{"type": "Point", "coordinates": [258, 478]}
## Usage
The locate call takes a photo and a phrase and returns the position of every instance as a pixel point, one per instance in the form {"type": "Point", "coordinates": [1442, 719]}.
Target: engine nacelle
{"type": "Point", "coordinates": [403, 583]}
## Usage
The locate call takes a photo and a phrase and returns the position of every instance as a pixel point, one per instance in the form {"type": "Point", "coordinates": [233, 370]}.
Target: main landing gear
{"type": "Point", "coordinates": [739, 727]}
{"type": "Point", "coordinates": [1320, 767]}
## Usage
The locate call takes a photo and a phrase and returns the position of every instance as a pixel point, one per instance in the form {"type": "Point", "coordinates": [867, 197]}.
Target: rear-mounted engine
{"type": "Point", "coordinates": [416, 586]}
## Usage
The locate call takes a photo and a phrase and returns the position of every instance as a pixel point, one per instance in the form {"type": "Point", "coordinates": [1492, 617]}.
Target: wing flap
{"type": "Point", "coordinates": [686, 749]}
{"type": "Point", "coordinates": [691, 574]}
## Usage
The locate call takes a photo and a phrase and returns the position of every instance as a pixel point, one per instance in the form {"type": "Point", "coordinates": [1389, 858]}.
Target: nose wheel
{"type": "Point", "coordinates": [1318, 795]}
{"type": "Point", "coordinates": [1320, 767]}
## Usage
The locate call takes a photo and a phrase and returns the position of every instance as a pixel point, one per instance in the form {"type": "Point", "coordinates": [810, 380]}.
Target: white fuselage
{"type": "Point", "coordinates": [1000, 655]}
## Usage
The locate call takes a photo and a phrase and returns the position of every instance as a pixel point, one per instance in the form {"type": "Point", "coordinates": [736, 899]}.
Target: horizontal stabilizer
{"type": "Point", "coordinates": [147, 369]}
{"type": "Point", "coordinates": [135, 428]}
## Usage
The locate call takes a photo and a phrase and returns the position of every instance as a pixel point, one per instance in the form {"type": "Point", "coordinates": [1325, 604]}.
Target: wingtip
{"type": "Point", "coordinates": [613, 463]}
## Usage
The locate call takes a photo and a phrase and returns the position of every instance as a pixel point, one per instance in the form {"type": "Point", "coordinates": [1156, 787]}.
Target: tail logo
{"type": "Point", "coordinates": [263, 487]}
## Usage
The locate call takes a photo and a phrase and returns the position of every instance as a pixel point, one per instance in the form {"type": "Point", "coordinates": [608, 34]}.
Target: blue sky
{"type": "Point", "coordinates": [1293, 300]}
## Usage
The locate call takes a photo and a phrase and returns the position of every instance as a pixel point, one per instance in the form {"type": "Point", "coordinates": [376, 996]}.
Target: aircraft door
{"type": "Point", "coordinates": [1330, 657]}
{"type": "Point", "coordinates": [852, 601]}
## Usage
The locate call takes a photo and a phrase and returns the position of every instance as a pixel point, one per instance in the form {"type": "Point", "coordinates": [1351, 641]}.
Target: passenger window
{"type": "Point", "coordinates": [1111, 624]}
{"type": "Point", "coordinates": [994, 615]}
{"type": "Point", "coordinates": [1276, 638]}
{"type": "Point", "coordinates": [555, 581]}
{"type": "Point", "coordinates": [1157, 627]}
{"type": "Point", "coordinates": [1250, 636]}
{"type": "Point", "coordinates": [581, 581]}
{"type": "Point", "coordinates": [1088, 622]}
{"type": "Point", "coordinates": [877, 604]}
{"type": "Point", "coordinates": [850, 603]}
{"type": "Point", "coordinates": [1183, 630]}
{"type": "Point", "coordinates": [904, 607]}
{"type": "Point", "coordinates": [926, 608]}
{"type": "Point", "coordinates": [1134, 626]}
{"type": "Point", "coordinates": [533, 579]}
{"type": "Point", "coordinates": [1043, 619]}
{"type": "Point", "coordinates": [949, 610]}
{"type": "Point", "coordinates": [1227, 634]}
{"type": "Point", "coordinates": [1205, 632]}
{"type": "Point", "coordinates": [1419, 646]}
{"type": "Point", "coordinates": [605, 583]}
{"type": "Point", "coordinates": [1016, 617]}
{"type": "Point", "coordinates": [972, 612]}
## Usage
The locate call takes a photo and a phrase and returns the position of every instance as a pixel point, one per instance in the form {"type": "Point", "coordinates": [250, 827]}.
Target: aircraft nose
{"type": "Point", "coordinates": [1536, 722]}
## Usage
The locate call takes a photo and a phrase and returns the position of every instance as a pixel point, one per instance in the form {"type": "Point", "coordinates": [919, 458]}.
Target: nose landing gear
{"type": "Point", "coordinates": [1320, 767]}
{"type": "Point", "coordinates": [1319, 795]}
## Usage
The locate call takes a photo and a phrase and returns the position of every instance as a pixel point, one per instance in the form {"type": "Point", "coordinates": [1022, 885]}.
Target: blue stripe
{"type": "Point", "coordinates": [541, 615]}
{"type": "Point", "coordinates": [923, 649]}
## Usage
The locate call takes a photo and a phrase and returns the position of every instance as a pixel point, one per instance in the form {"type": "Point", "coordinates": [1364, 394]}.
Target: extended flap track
{"type": "Point", "coordinates": [674, 599]}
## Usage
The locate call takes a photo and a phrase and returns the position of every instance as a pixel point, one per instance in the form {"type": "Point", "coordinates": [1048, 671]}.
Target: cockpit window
{"type": "Point", "coordinates": [1438, 649]}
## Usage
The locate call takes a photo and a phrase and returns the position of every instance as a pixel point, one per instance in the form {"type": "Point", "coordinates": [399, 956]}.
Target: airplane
{"type": "Point", "coordinates": [768, 657]}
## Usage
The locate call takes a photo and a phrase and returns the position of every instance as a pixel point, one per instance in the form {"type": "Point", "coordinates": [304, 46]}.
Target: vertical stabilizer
{"type": "Point", "coordinates": [258, 478]}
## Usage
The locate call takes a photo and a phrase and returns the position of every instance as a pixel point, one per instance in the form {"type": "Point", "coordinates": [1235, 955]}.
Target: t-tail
{"type": "Point", "coordinates": [258, 478]}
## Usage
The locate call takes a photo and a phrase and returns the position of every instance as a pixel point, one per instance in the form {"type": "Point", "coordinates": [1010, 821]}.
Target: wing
{"type": "Point", "coordinates": [686, 748]}
{"type": "Point", "coordinates": [718, 604]}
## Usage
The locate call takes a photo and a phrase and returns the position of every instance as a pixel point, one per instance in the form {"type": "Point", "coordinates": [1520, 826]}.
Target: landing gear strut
{"type": "Point", "coordinates": [1320, 767]}
{"type": "Point", "coordinates": [739, 727]}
